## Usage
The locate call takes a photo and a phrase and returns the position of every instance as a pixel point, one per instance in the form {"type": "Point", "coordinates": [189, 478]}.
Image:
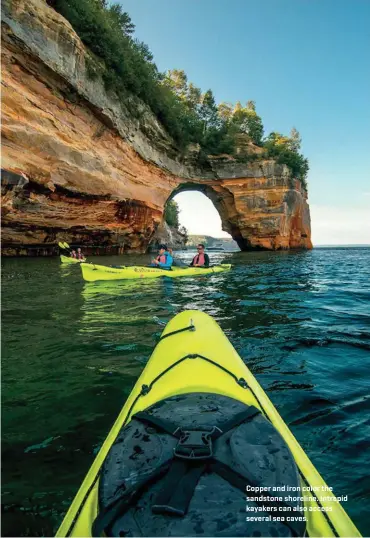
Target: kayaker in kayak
{"type": "Point", "coordinates": [80, 256]}
{"type": "Point", "coordinates": [164, 259]}
{"type": "Point", "coordinates": [176, 263]}
{"type": "Point", "coordinates": [201, 259]}
{"type": "Point", "coordinates": [73, 254]}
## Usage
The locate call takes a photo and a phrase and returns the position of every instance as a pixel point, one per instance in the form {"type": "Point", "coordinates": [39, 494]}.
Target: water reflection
{"type": "Point", "coordinates": [73, 350]}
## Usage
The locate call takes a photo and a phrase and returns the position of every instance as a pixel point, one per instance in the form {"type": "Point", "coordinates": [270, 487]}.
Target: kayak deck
{"type": "Point", "coordinates": [179, 365]}
{"type": "Point", "coordinates": [67, 259]}
{"type": "Point", "coordinates": [92, 272]}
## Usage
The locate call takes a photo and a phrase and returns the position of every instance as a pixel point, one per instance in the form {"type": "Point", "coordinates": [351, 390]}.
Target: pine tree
{"type": "Point", "coordinates": [193, 97]}
{"type": "Point", "coordinates": [296, 140]}
{"type": "Point", "coordinates": [208, 111]}
{"type": "Point", "coordinates": [121, 18]}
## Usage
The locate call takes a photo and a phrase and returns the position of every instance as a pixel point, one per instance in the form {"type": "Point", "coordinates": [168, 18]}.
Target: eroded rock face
{"type": "Point", "coordinates": [167, 235]}
{"type": "Point", "coordinates": [261, 211]}
{"type": "Point", "coordinates": [90, 170]}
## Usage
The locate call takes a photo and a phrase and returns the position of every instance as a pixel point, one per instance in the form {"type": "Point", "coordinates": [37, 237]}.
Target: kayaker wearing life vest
{"type": "Point", "coordinates": [73, 254]}
{"type": "Point", "coordinates": [164, 259]}
{"type": "Point", "coordinates": [201, 259]}
{"type": "Point", "coordinates": [80, 256]}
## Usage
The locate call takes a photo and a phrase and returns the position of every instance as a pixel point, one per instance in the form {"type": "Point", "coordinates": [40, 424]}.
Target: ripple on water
{"type": "Point", "coordinates": [73, 350]}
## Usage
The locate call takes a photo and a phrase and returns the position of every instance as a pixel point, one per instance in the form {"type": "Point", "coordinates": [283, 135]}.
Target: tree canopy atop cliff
{"type": "Point", "coordinates": [188, 114]}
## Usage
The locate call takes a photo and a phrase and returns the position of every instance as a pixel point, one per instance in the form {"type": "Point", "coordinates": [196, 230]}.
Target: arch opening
{"type": "Point", "coordinates": [207, 212]}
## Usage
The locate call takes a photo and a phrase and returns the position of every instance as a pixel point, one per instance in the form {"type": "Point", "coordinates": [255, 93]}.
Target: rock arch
{"type": "Point", "coordinates": [259, 206]}
{"type": "Point", "coordinates": [96, 172]}
{"type": "Point", "coordinates": [222, 199]}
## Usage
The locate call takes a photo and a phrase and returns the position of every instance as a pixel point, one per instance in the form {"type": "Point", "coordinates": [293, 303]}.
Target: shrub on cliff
{"type": "Point", "coordinates": [285, 150]}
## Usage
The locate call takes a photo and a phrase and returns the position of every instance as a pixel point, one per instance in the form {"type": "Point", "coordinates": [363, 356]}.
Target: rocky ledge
{"type": "Point", "coordinates": [80, 166]}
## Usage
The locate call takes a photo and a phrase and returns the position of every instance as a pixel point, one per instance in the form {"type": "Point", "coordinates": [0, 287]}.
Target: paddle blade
{"type": "Point", "coordinates": [66, 245]}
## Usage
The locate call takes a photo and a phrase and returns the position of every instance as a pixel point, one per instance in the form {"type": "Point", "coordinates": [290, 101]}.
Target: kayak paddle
{"type": "Point", "coordinates": [63, 246]}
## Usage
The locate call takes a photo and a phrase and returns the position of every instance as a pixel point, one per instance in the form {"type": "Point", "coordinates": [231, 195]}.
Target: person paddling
{"type": "Point", "coordinates": [73, 254]}
{"type": "Point", "coordinates": [164, 259]}
{"type": "Point", "coordinates": [201, 259]}
{"type": "Point", "coordinates": [80, 256]}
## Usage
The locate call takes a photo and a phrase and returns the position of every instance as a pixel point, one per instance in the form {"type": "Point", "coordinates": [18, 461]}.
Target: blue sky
{"type": "Point", "coordinates": [306, 64]}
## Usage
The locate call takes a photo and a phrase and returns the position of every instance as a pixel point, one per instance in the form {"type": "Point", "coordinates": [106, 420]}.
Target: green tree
{"type": "Point", "coordinates": [120, 18]}
{"type": "Point", "coordinates": [193, 97]}
{"type": "Point", "coordinates": [208, 112]}
{"type": "Point", "coordinates": [296, 140]}
{"type": "Point", "coordinates": [238, 107]}
{"type": "Point", "coordinates": [252, 125]}
{"type": "Point", "coordinates": [177, 80]}
{"type": "Point", "coordinates": [251, 105]}
{"type": "Point", "coordinates": [225, 111]}
{"type": "Point", "coordinates": [280, 148]}
{"type": "Point", "coordinates": [246, 120]}
{"type": "Point", "coordinates": [171, 214]}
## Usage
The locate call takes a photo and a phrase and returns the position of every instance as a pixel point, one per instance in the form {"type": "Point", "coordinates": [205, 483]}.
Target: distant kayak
{"type": "Point", "coordinates": [199, 450]}
{"type": "Point", "coordinates": [92, 272]}
{"type": "Point", "coordinates": [67, 259]}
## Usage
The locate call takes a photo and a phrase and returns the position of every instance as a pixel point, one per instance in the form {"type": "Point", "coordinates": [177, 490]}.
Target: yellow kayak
{"type": "Point", "coordinates": [92, 272]}
{"type": "Point", "coordinates": [67, 259]}
{"type": "Point", "coordinates": [195, 362]}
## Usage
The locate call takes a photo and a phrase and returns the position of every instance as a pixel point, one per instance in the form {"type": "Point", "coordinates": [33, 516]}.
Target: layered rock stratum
{"type": "Point", "coordinates": [83, 167]}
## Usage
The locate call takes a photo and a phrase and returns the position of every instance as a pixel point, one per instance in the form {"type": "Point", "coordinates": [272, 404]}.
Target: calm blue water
{"type": "Point", "coordinates": [72, 352]}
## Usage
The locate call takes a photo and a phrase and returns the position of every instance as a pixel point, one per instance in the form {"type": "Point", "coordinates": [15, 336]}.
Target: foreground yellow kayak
{"type": "Point", "coordinates": [67, 259]}
{"type": "Point", "coordinates": [132, 490]}
{"type": "Point", "coordinates": [92, 272]}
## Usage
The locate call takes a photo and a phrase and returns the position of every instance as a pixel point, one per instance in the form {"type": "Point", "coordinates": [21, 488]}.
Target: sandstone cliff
{"type": "Point", "coordinates": [82, 167]}
{"type": "Point", "coordinates": [168, 235]}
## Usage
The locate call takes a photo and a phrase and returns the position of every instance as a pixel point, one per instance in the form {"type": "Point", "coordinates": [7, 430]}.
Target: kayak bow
{"type": "Point", "coordinates": [195, 357]}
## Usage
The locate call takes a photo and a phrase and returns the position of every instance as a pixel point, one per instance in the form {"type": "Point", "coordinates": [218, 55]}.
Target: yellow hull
{"type": "Point", "coordinates": [66, 259]}
{"type": "Point", "coordinates": [92, 272]}
{"type": "Point", "coordinates": [197, 375]}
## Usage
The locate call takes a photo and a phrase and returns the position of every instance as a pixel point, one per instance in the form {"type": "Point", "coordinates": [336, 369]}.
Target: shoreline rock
{"type": "Point", "coordinates": [93, 171]}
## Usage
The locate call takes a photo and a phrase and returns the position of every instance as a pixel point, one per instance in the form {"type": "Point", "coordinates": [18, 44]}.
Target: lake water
{"type": "Point", "coordinates": [72, 351]}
